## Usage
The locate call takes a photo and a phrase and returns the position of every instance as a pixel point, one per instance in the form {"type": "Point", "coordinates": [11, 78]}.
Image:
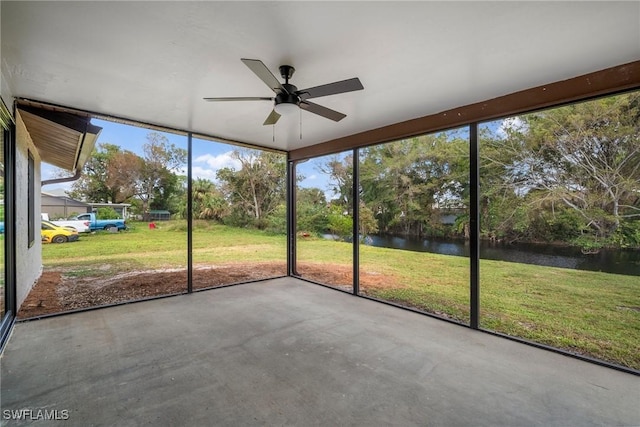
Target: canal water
{"type": "Point", "coordinates": [611, 261]}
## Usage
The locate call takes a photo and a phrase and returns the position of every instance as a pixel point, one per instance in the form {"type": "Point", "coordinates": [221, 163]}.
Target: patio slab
{"type": "Point", "coordinates": [287, 352]}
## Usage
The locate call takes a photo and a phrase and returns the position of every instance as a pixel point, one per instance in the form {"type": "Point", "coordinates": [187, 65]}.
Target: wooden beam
{"type": "Point", "coordinates": [608, 81]}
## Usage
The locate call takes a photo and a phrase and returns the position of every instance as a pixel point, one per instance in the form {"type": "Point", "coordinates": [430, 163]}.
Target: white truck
{"type": "Point", "coordinates": [81, 226]}
{"type": "Point", "coordinates": [88, 222]}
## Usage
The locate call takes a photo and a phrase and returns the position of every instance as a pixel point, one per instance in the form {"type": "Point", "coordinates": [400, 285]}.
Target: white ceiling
{"type": "Point", "coordinates": [155, 61]}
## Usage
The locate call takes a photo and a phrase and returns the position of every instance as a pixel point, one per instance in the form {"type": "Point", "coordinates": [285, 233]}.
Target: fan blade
{"type": "Point", "coordinates": [239, 98]}
{"type": "Point", "coordinates": [264, 74]}
{"type": "Point", "coordinates": [272, 119]}
{"type": "Point", "coordinates": [322, 111]}
{"type": "Point", "coordinates": [348, 85]}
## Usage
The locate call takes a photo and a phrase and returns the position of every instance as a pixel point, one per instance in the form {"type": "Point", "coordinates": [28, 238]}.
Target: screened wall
{"type": "Point", "coordinates": [3, 288]}
{"type": "Point", "coordinates": [223, 221]}
{"type": "Point", "coordinates": [525, 226]}
{"type": "Point", "coordinates": [324, 220]}
{"type": "Point", "coordinates": [7, 214]}
{"type": "Point", "coordinates": [414, 223]}
{"type": "Point", "coordinates": [238, 212]}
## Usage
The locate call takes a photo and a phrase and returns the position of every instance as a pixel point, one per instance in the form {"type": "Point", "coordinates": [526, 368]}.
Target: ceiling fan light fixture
{"type": "Point", "coordinates": [285, 109]}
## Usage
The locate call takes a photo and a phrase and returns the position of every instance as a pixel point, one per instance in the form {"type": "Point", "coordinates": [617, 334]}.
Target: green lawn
{"type": "Point", "coordinates": [592, 313]}
{"type": "Point", "coordinates": [164, 247]}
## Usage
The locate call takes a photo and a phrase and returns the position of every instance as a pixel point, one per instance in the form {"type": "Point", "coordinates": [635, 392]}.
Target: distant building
{"type": "Point", "coordinates": [62, 206]}
{"type": "Point", "coordinates": [57, 206]}
{"type": "Point", "coordinates": [120, 208]}
{"type": "Point", "coordinates": [159, 215]}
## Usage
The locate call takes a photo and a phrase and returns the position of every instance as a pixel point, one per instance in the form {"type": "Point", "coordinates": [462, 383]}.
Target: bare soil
{"type": "Point", "coordinates": [59, 291]}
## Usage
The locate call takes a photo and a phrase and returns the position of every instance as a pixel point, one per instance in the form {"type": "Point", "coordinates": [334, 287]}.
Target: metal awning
{"type": "Point", "coordinates": [62, 138]}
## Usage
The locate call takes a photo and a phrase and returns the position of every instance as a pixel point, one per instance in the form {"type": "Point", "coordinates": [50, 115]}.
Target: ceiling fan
{"type": "Point", "coordinates": [289, 98]}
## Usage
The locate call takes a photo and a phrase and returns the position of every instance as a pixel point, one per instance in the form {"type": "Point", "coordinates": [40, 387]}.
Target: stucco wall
{"type": "Point", "coordinates": [28, 259]}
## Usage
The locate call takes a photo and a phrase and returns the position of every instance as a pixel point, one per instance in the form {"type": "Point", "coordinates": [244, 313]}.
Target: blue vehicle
{"type": "Point", "coordinates": [86, 223]}
{"type": "Point", "coordinates": [102, 224]}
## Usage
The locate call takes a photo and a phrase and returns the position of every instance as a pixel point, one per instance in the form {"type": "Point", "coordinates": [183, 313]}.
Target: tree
{"type": "Point", "coordinates": [122, 172]}
{"type": "Point", "coordinates": [312, 218]}
{"type": "Point", "coordinates": [156, 180]}
{"type": "Point", "coordinates": [257, 188]}
{"type": "Point", "coordinates": [409, 183]}
{"type": "Point", "coordinates": [583, 157]}
{"type": "Point", "coordinates": [340, 172]}
{"type": "Point", "coordinates": [311, 211]}
{"type": "Point", "coordinates": [339, 222]}
{"type": "Point", "coordinates": [208, 201]}
{"type": "Point", "coordinates": [117, 176]}
{"type": "Point", "coordinates": [313, 196]}
{"type": "Point", "coordinates": [96, 184]}
{"type": "Point", "coordinates": [368, 224]}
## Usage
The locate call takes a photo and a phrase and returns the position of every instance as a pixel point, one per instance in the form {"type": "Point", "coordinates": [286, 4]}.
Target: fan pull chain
{"type": "Point", "coordinates": [300, 123]}
{"type": "Point", "coordinates": [274, 132]}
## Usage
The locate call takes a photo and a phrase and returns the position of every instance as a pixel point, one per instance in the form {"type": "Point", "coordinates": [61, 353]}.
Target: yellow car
{"type": "Point", "coordinates": [52, 233]}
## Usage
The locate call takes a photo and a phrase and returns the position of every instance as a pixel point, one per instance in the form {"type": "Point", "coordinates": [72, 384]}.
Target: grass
{"type": "Point", "coordinates": [164, 247]}
{"type": "Point", "coordinates": [591, 313]}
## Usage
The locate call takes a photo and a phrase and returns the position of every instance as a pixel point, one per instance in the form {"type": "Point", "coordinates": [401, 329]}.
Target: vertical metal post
{"type": "Point", "coordinates": [355, 167]}
{"type": "Point", "coordinates": [474, 226]}
{"type": "Point", "coordinates": [189, 214]}
{"type": "Point", "coordinates": [9, 289]}
{"type": "Point", "coordinates": [291, 218]}
{"type": "Point", "coordinates": [10, 220]}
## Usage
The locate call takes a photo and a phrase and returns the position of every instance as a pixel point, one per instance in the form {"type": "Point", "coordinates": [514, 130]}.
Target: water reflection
{"type": "Point", "coordinates": [611, 261]}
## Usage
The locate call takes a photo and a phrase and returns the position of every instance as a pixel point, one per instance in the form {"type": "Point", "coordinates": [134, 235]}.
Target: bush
{"type": "Point", "coordinates": [340, 224]}
{"type": "Point", "coordinates": [589, 243]}
{"type": "Point", "coordinates": [312, 217]}
{"type": "Point", "coordinates": [277, 221]}
{"type": "Point", "coordinates": [627, 235]}
{"type": "Point", "coordinates": [565, 225]}
{"type": "Point", "coordinates": [107, 213]}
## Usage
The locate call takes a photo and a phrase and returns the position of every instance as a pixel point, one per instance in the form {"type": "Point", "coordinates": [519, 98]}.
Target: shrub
{"type": "Point", "coordinates": [107, 213]}
{"type": "Point", "coordinates": [340, 224]}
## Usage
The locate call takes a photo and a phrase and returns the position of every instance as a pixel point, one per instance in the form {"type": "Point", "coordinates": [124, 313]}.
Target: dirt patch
{"type": "Point", "coordinates": [43, 297]}
{"type": "Point", "coordinates": [624, 307]}
{"type": "Point", "coordinates": [341, 276]}
{"type": "Point", "coordinates": [59, 291]}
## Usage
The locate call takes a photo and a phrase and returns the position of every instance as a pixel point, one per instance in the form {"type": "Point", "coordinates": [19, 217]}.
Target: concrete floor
{"type": "Point", "coordinates": [286, 352]}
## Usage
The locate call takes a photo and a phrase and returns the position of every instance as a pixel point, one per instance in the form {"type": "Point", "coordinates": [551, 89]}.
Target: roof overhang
{"type": "Point", "coordinates": [63, 139]}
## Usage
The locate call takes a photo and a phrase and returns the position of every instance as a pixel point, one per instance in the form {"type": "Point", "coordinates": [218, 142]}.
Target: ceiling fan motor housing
{"type": "Point", "coordinates": [288, 98]}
